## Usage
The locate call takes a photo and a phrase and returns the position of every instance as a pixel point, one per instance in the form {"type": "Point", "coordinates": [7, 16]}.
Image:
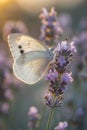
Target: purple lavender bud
{"type": "Point", "coordinates": [62, 88]}
{"type": "Point", "coordinates": [66, 77]}
{"type": "Point", "coordinates": [52, 76]}
{"type": "Point", "coordinates": [49, 99]}
{"type": "Point", "coordinates": [72, 47]}
{"type": "Point", "coordinates": [61, 60]}
{"type": "Point", "coordinates": [61, 46]}
{"type": "Point", "coordinates": [65, 46]}
{"type": "Point", "coordinates": [51, 102]}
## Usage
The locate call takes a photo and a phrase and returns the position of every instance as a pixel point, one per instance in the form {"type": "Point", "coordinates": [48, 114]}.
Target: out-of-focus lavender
{"type": "Point", "coordinates": [65, 22]}
{"type": "Point", "coordinates": [33, 117]}
{"type": "Point", "coordinates": [7, 80]}
{"type": "Point", "coordinates": [14, 27]}
{"type": "Point", "coordinates": [50, 29]}
{"type": "Point", "coordinates": [81, 45]}
{"type": "Point", "coordinates": [61, 126]}
{"type": "Point", "coordinates": [75, 110]}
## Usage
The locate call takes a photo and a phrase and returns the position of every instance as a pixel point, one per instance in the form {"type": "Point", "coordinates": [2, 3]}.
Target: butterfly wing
{"type": "Point", "coordinates": [31, 57]}
{"type": "Point", "coordinates": [31, 72]}
{"type": "Point", "coordinates": [20, 44]}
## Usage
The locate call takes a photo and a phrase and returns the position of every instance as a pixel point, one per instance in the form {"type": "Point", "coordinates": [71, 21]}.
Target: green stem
{"type": "Point", "coordinates": [49, 119]}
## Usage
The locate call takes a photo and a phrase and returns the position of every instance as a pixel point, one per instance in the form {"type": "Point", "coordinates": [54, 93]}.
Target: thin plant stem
{"type": "Point", "coordinates": [50, 119]}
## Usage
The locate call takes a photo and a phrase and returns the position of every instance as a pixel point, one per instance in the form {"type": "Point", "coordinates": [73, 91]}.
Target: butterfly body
{"type": "Point", "coordinates": [31, 57]}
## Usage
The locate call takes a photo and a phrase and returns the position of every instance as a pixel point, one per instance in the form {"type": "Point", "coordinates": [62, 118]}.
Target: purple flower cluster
{"type": "Point", "coordinates": [50, 29]}
{"type": "Point", "coordinates": [59, 76]}
{"type": "Point", "coordinates": [52, 75]}
{"type": "Point", "coordinates": [34, 117]}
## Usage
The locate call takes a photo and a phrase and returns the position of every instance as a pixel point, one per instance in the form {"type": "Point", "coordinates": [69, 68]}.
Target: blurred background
{"type": "Point", "coordinates": [16, 97]}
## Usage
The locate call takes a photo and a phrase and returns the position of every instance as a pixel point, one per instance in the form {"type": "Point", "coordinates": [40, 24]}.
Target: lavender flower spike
{"type": "Point", "coordinates": [50, 29]}
{"type": "Point", "coordinates": [59, 76]}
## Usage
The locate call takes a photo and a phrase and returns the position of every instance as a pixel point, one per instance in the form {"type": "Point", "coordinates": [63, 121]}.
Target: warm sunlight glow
{"type": "Point", "coordinates": [2, 2]}
{"type": "Point", "coordinates": [36, 5]}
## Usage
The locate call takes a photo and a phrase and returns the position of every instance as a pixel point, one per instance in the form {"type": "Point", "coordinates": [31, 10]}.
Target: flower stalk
{"type": "Point", "coordinates": [50, 119]}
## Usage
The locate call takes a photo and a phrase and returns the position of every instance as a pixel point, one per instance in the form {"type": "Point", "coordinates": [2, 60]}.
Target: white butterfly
{"type": "Point", "coordinates": [31, 57]}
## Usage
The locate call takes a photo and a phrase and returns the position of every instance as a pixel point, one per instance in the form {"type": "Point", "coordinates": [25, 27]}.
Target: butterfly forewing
{"type": "Point", "coordinates": [20, 44]}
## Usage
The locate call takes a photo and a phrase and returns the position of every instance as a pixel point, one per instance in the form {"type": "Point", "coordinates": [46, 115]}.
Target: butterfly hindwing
{"type": "Point", "coordinates": [31, 72]}
{"type": "Point", "coordinates": [32, 55]}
